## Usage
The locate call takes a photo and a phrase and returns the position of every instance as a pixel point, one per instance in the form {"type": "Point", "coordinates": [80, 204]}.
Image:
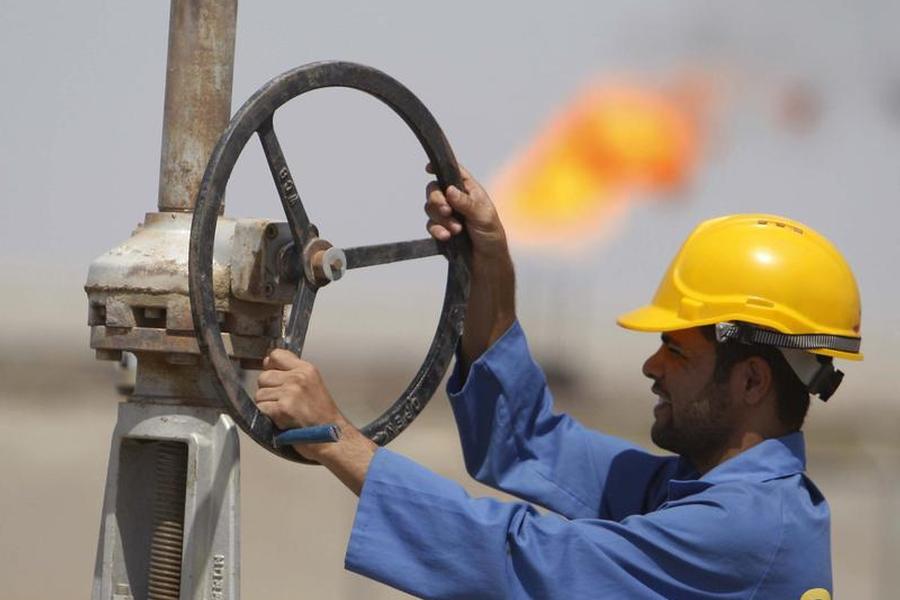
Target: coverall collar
{"type": "Point", "coordinates": [770, 459]}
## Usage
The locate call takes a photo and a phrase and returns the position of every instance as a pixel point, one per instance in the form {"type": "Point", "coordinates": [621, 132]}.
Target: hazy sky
{"type": "Point", "coordinates": [82, 116]}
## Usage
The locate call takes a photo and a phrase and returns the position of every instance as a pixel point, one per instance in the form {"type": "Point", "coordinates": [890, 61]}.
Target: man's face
{"type": "Point", "coordinates": [693, 414]}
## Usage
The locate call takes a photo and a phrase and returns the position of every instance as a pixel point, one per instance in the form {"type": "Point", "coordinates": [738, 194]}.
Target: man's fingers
{"type": "Point", "coordinates": [446, 210]}
{"type": "Point", "coordinates": [459, 201]}
{"type": "Point", "coordinates": [282, 360]}
{"type": "Point", "coordinates": [440, 205]}
{"type": "Point", "coordinates": [438, 232]}
{"type": "Point", "coordinates": [439, 210]}
{"type": "Point", "coordinates": [275, 411]}
{"type": "Point", "coordinates": [447, 224]}
{"type": "Point", "coordinates": [443, 215]}
{"type": "Point", "coordinates": [435, 202]}
{"type": "Point", "coordinates": [267, 408]}
{"type": "Point", "coordinates": [267, 394]}
{"type": "Point", "coordinates": [271, 378]}
{"type": "Point", "coordinates": [443, 232]}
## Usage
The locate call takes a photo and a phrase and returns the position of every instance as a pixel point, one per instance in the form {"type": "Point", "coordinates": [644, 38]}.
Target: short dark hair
{"type": "Point", "coordinates": [791, 393]}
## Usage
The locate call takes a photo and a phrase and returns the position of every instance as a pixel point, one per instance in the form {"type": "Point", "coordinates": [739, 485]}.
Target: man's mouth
{"type": "Point", "coordinates": [662, 399]}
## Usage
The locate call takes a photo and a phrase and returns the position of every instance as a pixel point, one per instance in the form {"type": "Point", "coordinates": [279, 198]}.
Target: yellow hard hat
{"type": "Point", "coordinates": [763, 270]}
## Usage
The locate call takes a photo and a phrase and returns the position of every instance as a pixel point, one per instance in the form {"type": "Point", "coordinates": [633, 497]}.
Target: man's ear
{"type": "Point", "coordinates": [754, 379]}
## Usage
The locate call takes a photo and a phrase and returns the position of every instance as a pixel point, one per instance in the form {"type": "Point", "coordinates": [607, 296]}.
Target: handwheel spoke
{"type": "Point", "coordinates": [287, 189]}
{"type": "Point", "coordinates": [298, 321]}
{"type": "Point", "coordinates": [382, 254]}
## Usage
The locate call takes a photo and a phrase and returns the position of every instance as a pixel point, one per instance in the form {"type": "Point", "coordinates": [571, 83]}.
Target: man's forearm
{"type": "Point", "coordinates": [492, 304]}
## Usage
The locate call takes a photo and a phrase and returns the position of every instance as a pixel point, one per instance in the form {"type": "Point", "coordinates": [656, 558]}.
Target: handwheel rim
{"type": "Point", "coordinates": [245, 123]}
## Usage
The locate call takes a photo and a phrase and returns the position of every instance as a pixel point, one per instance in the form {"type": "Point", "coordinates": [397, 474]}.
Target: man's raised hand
{"type": "Point", "coordinates": [474, 206]}
{"type": "Point", "coordinates": [491, 309]}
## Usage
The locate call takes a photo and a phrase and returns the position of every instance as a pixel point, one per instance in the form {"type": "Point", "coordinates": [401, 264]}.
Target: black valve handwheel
{"type": "Point", "coordinates": [255, 116]}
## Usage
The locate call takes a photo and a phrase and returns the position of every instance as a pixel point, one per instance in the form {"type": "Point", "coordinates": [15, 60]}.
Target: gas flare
{"type": "Point", "coordinates": [609, 145]}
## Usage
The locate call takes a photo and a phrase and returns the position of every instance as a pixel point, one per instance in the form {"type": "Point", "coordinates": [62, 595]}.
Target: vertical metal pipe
{"type": "Point", "coordinates": [198, 95]}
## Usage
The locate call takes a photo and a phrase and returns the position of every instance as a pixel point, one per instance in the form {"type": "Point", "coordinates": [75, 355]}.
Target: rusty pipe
{"type": "Point", "coordinates": [198, 95]}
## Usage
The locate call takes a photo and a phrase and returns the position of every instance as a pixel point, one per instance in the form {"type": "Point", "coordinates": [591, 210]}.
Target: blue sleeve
{"type": "Point", "coordinates": [513, 441]}
{"type": "Point", "coordinates": [422, 534]}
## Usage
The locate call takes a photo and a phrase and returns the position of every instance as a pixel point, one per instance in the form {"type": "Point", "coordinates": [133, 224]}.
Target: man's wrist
{"type": "Point", "coordinates": [493, 252]}
{"type": "Point", "coordinates": [330, 451]}
{"type": "Point", "coordinates": [350, 442]}
{"type": "Point", "coordinates": [348, 458]}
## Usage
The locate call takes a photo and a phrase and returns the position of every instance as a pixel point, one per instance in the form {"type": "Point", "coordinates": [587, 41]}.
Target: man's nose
{"type": "Point", "coordinates": [652, 368]}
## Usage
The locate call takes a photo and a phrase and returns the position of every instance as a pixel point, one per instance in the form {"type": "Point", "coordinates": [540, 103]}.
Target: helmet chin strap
{"type": "Point", "coordinates": [815, 371]}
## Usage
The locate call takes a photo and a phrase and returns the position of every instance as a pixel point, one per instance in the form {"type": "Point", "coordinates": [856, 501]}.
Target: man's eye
{"type": "Point", "coordinates": [675, 350]}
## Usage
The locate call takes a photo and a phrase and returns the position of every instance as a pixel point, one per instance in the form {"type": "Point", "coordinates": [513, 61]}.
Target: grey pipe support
{"type": "Point", "coordinates": [198, 95]}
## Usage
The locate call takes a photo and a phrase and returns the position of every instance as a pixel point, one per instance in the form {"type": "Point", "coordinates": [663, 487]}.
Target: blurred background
{"type": "Point", "coordinates": [604, 130]}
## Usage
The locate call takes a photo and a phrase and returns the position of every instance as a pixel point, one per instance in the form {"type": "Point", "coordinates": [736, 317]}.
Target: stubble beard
{"type": "Point", "coordinates": [701, 427]}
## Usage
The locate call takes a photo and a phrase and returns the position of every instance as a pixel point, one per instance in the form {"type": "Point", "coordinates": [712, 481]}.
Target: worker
{"type": "Point", "coordinates": [751, 312]}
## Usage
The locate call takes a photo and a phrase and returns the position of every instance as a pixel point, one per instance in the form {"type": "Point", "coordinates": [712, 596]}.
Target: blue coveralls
{"type": "Point", "coordinates": [628, 525]}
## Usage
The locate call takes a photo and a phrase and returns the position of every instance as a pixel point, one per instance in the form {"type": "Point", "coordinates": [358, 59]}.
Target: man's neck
{"type": "Point", "coordinates": [738, 443]}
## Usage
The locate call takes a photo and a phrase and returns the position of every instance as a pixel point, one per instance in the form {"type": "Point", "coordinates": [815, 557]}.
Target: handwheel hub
{"type": "Point", "coordinates": [323, 262]}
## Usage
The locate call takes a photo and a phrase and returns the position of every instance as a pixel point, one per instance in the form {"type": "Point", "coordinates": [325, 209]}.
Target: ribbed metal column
{"type": "Point", "coordinates": [167, 537]}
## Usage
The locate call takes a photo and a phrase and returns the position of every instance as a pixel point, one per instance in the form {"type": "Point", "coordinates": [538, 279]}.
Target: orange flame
{"type": "Point", "coordinates": [608, 144]}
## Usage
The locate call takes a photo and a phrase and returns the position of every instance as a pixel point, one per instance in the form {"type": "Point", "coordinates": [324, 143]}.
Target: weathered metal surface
{"type": "Point", "coordinates": [362, 256]}
{"type": "Point", "coordinates": [138, 300]}
{"type": "Point", "coordinates": [301, 229]}
{"type": "Point", "coordinates": [198, 95]}
{"type": "Point", "coordinates": [154, 259]}
{"type": "Point", "coordinates": [382, 254]}
{"type": "Point", "coordinates": [298, 320]}
{"type": "Point", "coordinates": [148, 339]}
{"type": "Point", "coordinates": [257, 254]}
{"type": "Point", "coordinates": [255, 117]}
{"type": "Point", "coordinates": [138, 303]}
{"type": "Point", "coordinates": [311, 249]}
{"type": "Point", "coordinates": [207, 488]}
{"type": "Point", "coordinates": [329, 265]}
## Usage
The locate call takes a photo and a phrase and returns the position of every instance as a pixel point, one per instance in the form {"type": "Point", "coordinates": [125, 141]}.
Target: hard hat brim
{"type": "Point", "coordinates": [652, 318]}
{"type": "Point", "coordinates": [655, 319]}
